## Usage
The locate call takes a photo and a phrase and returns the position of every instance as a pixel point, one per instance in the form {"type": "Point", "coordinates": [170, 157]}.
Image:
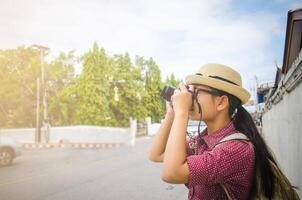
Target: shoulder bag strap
{"type": "Point", "coordinates": [234, 136]}
{"type": "Point", "coordinates": [226, 192]}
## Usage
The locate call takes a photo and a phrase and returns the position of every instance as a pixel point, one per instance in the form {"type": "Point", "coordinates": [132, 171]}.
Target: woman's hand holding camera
{"type": "Point", "coordinates": [181, 99]}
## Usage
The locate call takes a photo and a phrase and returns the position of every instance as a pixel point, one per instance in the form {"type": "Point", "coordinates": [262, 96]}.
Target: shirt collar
{"type": "Point", "coordinates": [212, 139]}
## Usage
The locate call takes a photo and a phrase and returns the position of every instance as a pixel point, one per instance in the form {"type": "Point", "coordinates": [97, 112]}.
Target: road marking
{"type": "Point", "coordinates": [22, 180]}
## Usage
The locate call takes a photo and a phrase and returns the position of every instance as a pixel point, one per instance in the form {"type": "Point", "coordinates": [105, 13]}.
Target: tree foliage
{"type": "Point", "coordinates": [18, 71]}
{"type": "Point", "coordinates": [61, 75]}
{"type": "Point", "coordinates": [172, 81]}
{"type": "Point", "coordinates": [108, 91]}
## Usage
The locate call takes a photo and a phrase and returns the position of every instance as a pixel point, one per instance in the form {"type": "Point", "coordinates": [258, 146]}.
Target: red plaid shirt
{"type": "Point", "coordinates": [230, 163]}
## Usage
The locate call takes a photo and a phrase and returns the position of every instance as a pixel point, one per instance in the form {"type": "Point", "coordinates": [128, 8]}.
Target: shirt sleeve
{"type": "Point", "coordinates": [222, 162]}
{"type": "Point", "coordinates": [189, 152]}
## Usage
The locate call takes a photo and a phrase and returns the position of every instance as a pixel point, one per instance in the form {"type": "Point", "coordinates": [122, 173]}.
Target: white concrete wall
{"type": "Point", "coordinates": [74, 134]}
{"type": "Point", "coordinates": [282, 129]}
{"type": "Point", "coordinates": [153, 128]}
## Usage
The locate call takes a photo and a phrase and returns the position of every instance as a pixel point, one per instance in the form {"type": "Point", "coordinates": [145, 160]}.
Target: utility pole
{"type": "Point", "coordinates": [37, 132]}
{"type": "Point", "coordinates": [46, 124]}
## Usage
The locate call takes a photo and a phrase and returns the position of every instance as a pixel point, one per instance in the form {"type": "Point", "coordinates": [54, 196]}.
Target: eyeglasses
{"type": "Point", "coordinates": [212, 92]}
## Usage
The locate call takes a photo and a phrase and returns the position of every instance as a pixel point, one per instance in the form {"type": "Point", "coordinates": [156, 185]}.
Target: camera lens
{"type": "Point", "coordinates": [167, 92]}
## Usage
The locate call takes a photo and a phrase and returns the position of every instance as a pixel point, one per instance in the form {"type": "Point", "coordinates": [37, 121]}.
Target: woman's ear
{"type": "Point", "coordinates": [223, 103]}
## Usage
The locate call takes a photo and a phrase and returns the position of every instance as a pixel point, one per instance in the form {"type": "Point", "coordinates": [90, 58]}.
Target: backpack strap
{"type": "Point", "coordinates": [226, 192]}
{"type": "Point", "coordinates": [234, 136]}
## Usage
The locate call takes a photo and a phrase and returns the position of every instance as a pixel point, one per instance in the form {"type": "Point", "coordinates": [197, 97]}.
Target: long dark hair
{"type": "Point", "coordinates": [244, 123]}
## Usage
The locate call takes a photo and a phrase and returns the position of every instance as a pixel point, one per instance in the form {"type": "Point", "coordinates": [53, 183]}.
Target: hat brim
{"type": "Point", "coordinates": [230, 88]}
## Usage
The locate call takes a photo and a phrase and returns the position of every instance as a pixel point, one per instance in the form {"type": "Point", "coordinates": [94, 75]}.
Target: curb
{"type": "Point", "coordinates": [72, 145]}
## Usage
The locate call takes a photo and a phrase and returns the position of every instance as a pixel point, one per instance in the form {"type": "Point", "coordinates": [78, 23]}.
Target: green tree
{"type": "Point", "coordinates": [153, 86]}
{"type": "Point", "coordinates": [91, 89]}
{"type": "Point", "coordinates": [61, 77]}
{"type": "Point", "coordinates": [128, 80]}
{"type": "Point", "coordinates": [19, 69]}
{"type": "Point", "coordinates": [86, 99]}
{"type": "Point", "coordinates": [172, 81]}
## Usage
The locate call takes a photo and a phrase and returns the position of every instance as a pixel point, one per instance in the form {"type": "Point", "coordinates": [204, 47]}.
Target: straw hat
{"type": "Point", "coordinates": [220, 77]}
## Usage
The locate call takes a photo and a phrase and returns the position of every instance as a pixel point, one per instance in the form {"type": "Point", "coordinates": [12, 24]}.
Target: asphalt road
{"type": "Point", "coordinates": [78, 174]}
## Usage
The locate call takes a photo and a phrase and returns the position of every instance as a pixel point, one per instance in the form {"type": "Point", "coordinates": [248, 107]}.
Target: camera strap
{"type": "Point", "coordinates": [194, 98]}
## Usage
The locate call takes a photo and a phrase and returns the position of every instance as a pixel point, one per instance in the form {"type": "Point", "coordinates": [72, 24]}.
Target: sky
{"type": "Point", "coordinates": [180, 35]}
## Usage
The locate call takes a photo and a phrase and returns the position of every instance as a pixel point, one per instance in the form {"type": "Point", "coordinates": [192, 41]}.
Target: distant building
{"type": "Point", "coordinates": [282, 104]}
{"type": "Point", "coordinates": [264, 91]}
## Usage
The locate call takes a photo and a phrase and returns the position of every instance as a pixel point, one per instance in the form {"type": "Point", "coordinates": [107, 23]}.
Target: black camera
{"type": "Point", "coordinates": [167, 92]}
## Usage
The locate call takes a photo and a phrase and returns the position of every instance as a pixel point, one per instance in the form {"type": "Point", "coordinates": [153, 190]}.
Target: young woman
{"type": "Point", "coordinates": [212, 169]}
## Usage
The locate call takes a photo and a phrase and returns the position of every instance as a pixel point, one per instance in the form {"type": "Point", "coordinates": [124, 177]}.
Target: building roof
{"type": "Point", "coordinates": [290, 76]}
{"type": "Point", "coordinates": [293, 39]}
